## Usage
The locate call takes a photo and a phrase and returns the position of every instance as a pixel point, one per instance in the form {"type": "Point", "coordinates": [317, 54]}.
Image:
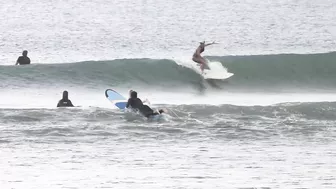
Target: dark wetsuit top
{"type": "Point", "coordinates": [23, 60]}
{"type": "Point", "coordinates": [65, 103]}
{"type": "Point", "coordinates": [136, 103]}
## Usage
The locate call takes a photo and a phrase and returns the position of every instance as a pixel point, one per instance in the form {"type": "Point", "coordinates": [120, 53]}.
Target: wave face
{"type": "Point", "coordinates": [285, 72]}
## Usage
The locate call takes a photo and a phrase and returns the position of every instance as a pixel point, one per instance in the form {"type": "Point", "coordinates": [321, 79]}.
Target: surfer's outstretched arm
{"type": "Point", "coordinates": [210, 44]}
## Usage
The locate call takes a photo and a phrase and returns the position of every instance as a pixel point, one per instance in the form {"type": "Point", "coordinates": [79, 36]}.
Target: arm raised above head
{"type": "Point", "coordinates": [210, 44]}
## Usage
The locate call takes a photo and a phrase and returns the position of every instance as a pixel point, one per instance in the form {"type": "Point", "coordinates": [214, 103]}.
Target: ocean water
{"type": "Point", "coordinates": [271, 125]}
{"type": "Point", "coordinates": [81, 30]}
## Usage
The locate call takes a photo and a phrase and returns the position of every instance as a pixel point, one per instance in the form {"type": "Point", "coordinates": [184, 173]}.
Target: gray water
{"type": "Point", "coordinates": [78, 30]}
{"type": "Point", "coordinates": [205, 147]}
{"type": "Point", "coordinates": [214, 138]}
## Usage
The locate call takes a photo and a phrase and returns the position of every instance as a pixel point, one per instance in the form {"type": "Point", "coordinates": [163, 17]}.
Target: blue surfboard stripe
{"type": "Point", "coordinates": [120, 102]}
{"type": "Point", "coordinates": [121, 105]}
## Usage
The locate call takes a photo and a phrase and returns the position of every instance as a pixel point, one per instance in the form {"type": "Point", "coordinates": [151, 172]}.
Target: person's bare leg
{"type": "Point", "coordinates": [202, 67]}
{"type": "Point", "coordinates": [200, 60]}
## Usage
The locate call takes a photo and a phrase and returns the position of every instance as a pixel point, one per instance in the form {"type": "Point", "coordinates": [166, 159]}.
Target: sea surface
{"type": "Point", "coordinates": [272, 125]}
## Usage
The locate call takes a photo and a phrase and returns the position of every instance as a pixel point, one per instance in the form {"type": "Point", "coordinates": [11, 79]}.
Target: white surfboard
{"type": "Point", "coordinates": [120, 102]}
{"type": "Point", "coordinates": [115, 98]}
{"type": "Point", "coordinates": [216, 69]}
{"type": "Point", "coordinates": [215, 74]}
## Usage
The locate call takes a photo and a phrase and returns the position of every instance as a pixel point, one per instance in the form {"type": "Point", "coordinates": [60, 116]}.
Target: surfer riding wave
{"type": "Point", "coordinates": [197, 54]}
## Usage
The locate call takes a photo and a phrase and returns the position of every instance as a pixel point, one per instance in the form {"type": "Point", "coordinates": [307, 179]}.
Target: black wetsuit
{"type": "Point", "coordinates": [147, 111]}
{"type": "Point", "coordinates": [23, 60]}
{"type": "Point", "coordinates": [65, 102]}
{"type": "Point", "coordinates": [135, 103]}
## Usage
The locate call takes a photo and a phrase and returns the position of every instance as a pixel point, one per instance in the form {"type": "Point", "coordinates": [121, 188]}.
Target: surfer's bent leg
{"type": "Point", "coordinates": [147, 111]}
{"type": "Point", "coordinates": [202, 66]}
{"type": "Point", "coordinates": [200, 60]}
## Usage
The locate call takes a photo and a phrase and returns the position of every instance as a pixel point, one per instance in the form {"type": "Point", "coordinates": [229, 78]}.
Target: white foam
{"type": "Point", "coordinates": [217, 70]}
{"type": "Point", "coordinates": [48, 98]}
{"type": "Point", "coordinates": [242, 99]}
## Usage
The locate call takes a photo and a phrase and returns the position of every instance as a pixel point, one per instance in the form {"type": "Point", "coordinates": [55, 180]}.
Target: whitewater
{"type": "Point", "coordinates": [271, 125]}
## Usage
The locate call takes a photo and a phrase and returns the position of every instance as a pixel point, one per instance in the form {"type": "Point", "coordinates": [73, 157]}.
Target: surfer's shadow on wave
{"type": "Point", "coordinates": [202, 85]}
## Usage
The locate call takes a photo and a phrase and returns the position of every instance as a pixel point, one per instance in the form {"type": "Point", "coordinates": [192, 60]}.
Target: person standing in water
{"type": "Point", "coordinates": [24, 59]}
{"type": "Point", "coordinates": [65, 102]}
{"type": "Point", "coordinates": [197, 54]}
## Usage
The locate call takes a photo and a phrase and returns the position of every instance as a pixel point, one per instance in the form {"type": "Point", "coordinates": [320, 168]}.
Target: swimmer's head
{"type": "Point", "coordinates": [134, 94]}
{"type": "Point", "coordinates": [24, 53]}
{"type": "Point", "coordinates": [130, 92]}
{"type": "Point", "coordinates": [65, 95]}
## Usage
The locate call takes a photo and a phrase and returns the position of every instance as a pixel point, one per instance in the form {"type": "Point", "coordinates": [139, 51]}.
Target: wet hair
{"type": "Point", "coordinates": [25, 52]}
{"type": "Point", "coordinates": [134, 94]}
{"type": "Point", "coordinates": [65, 95]}
{"type": "Point", "coordinates": [130, 92]}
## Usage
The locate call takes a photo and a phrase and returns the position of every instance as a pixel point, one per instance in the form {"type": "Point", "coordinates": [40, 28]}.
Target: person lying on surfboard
{"type": "Point", "coordinates": [197, 55]}
{"type": "Point", "coordinates": [135, 103]}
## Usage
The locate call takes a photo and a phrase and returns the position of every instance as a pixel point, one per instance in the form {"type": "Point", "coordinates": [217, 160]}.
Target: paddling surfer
{"type": "Point", "coordinates": [136, 104]}
{"type": "Point", "coordinates": [24, 59]}
{"type": "Point", "coordinates": [197, 54]}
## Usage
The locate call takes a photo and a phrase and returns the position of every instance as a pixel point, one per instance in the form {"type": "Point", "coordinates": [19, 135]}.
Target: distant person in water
{"type": "Point", "coordinates": [65, 102]}
{"type": "Point", "coordinates": [24, 59]}
{"type": "Point", "coordinates": [197, 54]}
{"type": "Point", "coordinates": [135, 103]}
